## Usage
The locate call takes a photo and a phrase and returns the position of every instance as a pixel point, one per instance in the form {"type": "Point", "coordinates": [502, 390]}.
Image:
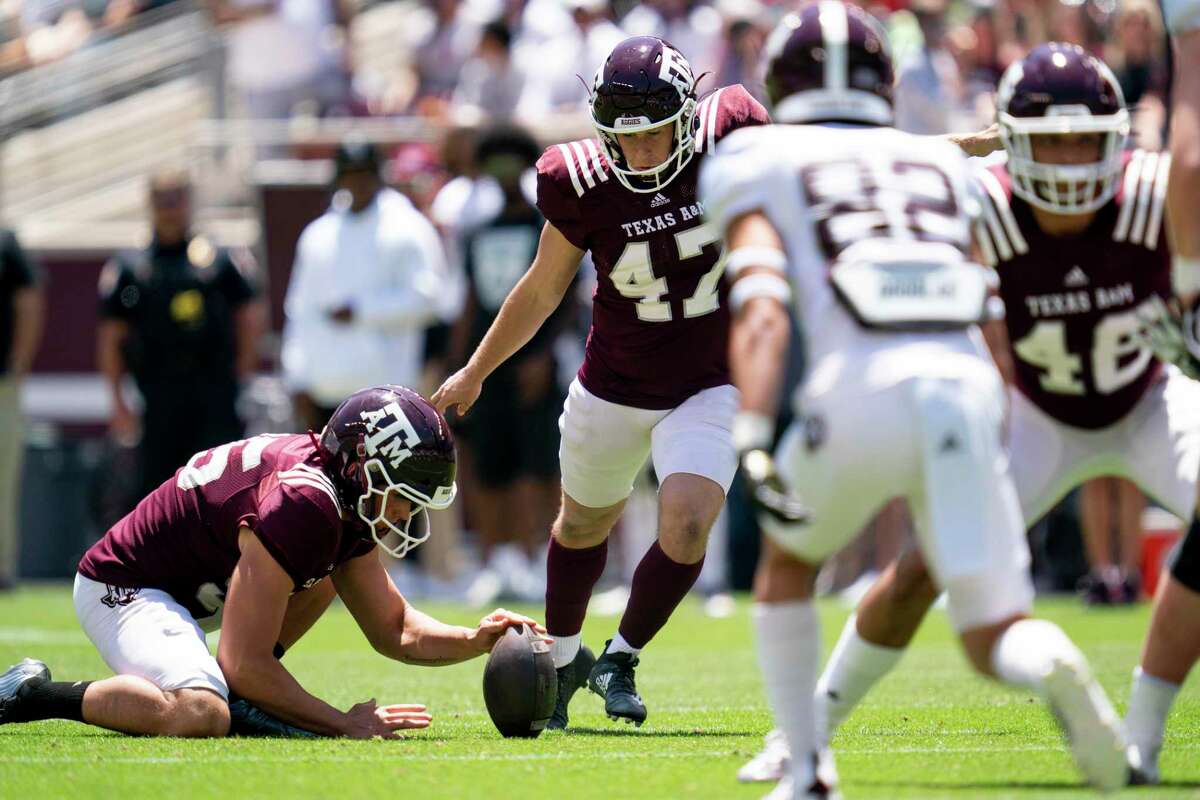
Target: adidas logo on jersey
{"type": "Point", "coordinates": [659, 200]}
{"type": "Point", "coordinates": [1076, 277]}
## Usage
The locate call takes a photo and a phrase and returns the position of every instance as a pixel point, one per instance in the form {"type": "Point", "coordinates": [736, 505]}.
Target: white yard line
{"type": "Point", "coordinates": [391, 757]}
{"type": "Point", "coordinates": [40, 636]}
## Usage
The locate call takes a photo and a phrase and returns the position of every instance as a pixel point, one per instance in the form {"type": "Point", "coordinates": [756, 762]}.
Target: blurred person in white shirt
{"type": "Point", "coordinates": [691, 27]}
{"type": "Point", "coordinates": [928, 85]}
{"type": "Point", "coordinates": [370, 275]}
{"type": "Point", "coordinates": [491, 82]}
{"type": "Point", "coordinates": [578, 53]}
{"type": "Point", "coordinates": [280, 53]}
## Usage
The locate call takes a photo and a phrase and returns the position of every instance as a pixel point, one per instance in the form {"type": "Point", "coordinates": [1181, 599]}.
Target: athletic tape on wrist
{"type": "Point", "coordinates": [762, 284]}
{"type": "Point", "coordinates": [1185, 275]}
{"type": "Point", "coordinates": [755, 256]}
{"type": "Point", "coordinates": [752, 431]}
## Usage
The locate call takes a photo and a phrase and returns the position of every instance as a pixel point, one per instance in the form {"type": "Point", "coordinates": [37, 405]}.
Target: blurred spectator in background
{"type": "Point", "coordinates": [491, 83]}
{"type": "Point", "coordinates": [694, 28]}
{"type": "Point", "coordinates": [283, 53]}
{"type": "Point", "coordinates": [568, 62]}
{"type": "Point", "coordinates": [469, 199]}
{"type": "Point", "coordinates": [1137, 58]}
{"type": "Point", "coordinates": [744, 40]}
{"type": "Point", "coordinates": [440, 57]}
{"type": "Point", "coordinates": [369, 276]}
{"type": "Point", "coordinates": [928, 88]}
{"type": "Point", "coordinates": [417, 173]}
{"type": "Point", "coordinates": [1110, 511]}
{"type": "Point", "coordinates": [53, 28]}
{"type": "Point", "coordinates": [181, 316]}
{"type": "Point", "coordinates": [511, 434]}
{"type": "Point", "coordinates": [21, 310]}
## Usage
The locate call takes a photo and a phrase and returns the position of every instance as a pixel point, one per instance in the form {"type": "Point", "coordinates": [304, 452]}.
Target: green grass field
{"type": "Point", "coordinates": [931, 730]}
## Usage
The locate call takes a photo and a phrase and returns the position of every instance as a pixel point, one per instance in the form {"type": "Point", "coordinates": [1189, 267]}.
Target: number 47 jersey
{"type": "Point", "coordinates": [659, 323]}
{"type": "Point", "coordinates": [1072, 303]}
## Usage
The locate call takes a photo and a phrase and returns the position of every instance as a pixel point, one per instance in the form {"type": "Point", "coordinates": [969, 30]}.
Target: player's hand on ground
{"type": "Point", "coordinates": [980, 143]}
{"type": "Point", "coordinates": [460, 390]}
{"type": "Point", "coordinates": [1172, 335]}
{"type": "Point", "coordinates": [493, 626]}
{"type": "Point", "coordinates": [767, 491]}
{"type": "Point", "coordinates": [368, 720]}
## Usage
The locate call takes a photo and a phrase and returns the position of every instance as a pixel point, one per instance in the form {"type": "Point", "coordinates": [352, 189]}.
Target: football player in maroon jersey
{"type": "Point", "coordinates": [1073, 225]}
{"type": "Point", "coordinates": [256, 537]}
{"type": "Point", "coordinates": [655, 377]}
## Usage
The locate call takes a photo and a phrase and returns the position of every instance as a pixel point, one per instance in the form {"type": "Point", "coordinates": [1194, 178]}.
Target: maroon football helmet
{"type": "Point", "coordinates": [1060, 89]}
{"type": "Point", "coordinates": [390, 439]}
{"type": "Point", "coordinates": [644, 83]}
{"type": "Point", "coordinates": [829, 62]}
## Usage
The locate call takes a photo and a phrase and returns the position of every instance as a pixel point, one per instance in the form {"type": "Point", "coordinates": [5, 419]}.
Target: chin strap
{"type": "Point", "coordinates": [312, 437]}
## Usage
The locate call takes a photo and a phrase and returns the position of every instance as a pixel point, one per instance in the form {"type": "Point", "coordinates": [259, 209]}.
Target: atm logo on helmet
{"type": "Point", "coordinates": [392, 439]}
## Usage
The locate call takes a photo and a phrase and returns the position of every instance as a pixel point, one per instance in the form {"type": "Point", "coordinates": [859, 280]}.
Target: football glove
{"type": "Point", "coordinates": [1172, 335]}
{"type": "Point", "coordinates": [767, 492]}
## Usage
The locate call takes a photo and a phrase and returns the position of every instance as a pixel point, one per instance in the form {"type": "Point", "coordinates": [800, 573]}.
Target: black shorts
{"type": "Point", "coordinates": [1185, 558]}
{"type": "Point", "coordinates": [509, 442]}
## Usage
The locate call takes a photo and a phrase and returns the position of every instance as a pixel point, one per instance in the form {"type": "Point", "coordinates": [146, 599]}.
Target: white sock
{"type": "Point", "coordinates": [619, 645]}
{"type": "Point", "coordinates": [1024, 653]}
{"type": "Point", "coordinates": [1150, 701]}
{"type": "Point", "coordinates": [564, 649]}
{"type": "Point", "coordinates": [788, 639]}
{"type": "Point", "coordinates": [855, 665]}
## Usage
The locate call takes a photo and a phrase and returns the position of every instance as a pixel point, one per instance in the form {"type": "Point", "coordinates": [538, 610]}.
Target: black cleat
{"type": "Point", "coordinates": [571, 678]}
{"type": "Point", "coordinates": [248, 720]}
{"type": "Point", "coordinates": [612, 678]}
{"type": "Point", "coordinates": [18, 675]}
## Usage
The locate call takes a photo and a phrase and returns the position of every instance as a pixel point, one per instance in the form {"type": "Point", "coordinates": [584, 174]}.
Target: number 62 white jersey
{"type": "Point", "coordinates": [876, 224]}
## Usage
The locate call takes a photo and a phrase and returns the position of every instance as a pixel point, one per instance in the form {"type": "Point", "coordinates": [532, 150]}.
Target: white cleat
{"type": "Point", "coordinates": [1143, 765]}
{"type": "Point", "coordinates": [786, 790]}
{"type": "Point", "coordinates": [19, 674]}
{"type": "Point", "coordinates": [1092, 728]}
{"type": "Point", "coordinates": [771, 763]}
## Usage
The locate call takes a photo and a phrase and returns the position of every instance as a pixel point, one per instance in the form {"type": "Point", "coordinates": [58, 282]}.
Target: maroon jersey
{"type": "Point", "coordinates": [1072, 301]}
{"type": "Point", "coordinates": [659, 319]}
{"type": "Point", "coordinates": [182, 538]}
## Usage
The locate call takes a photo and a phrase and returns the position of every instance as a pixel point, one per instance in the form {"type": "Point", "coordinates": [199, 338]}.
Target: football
{"type": "Point", "coordinates": [519, 683]}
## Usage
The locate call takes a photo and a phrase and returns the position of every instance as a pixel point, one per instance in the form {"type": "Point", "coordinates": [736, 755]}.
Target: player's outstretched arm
{"type": "Point", "coordinates": [255, 606]}
{"type": "Point", "coordinates": [978, 143]}
{"type": "Point", "coordinates": [399, 631]}
{"type": "Point", "coordinates": [531, 301]}
{"type": "Point", "coordinates": [758, 344]}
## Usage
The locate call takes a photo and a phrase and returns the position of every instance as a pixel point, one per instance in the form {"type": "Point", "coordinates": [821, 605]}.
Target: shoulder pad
{"type": "Point", "coordinates": [1141, 198]}
{"type": "Point", "coordinates": [724, 111]}
{"type": "Point", "coordinates": [996, 230]}
{"type": "Point", "coordinates": [312, 484]}
{"type": "Point", "coordinates": [579, 165]}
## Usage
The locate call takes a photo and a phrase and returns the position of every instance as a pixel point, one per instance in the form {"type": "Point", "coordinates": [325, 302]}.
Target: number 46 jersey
{"type": "Point", "coordinates": [1072, 302]}
{"type": "Point", "coordinates": [659, 323]}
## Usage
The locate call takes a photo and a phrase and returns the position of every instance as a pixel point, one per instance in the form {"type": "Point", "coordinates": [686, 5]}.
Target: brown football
{"type": "Point", "coordinates": [519, 683]}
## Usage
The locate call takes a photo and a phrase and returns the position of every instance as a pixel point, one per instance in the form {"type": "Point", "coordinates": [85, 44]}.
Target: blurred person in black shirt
{"type": "Point", "coordinates": [21, 313]}
{"type": "Point", "coordinates": [511, 433]}
{"type": "Point", "coordinates": [181, 316]}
